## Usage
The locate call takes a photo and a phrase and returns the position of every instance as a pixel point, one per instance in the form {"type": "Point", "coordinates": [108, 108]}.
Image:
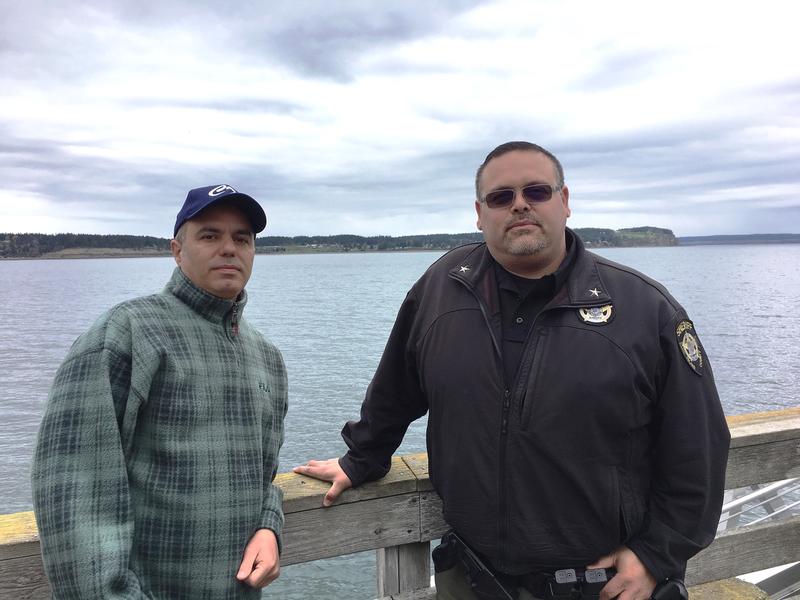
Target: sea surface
{"type": "Point", "coordinates": [330, 315]}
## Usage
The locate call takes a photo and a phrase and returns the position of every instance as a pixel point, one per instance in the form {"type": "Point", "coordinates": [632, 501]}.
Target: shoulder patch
{"type": "Point", "coordinates": [690, 346]}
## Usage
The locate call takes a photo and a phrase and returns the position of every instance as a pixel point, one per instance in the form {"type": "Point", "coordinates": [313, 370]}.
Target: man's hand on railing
{"type": "Point", "coordinates": [327, 470]}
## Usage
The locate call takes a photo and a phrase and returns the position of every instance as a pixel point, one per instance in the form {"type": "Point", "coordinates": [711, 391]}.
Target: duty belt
{"type": "Point", "coordinates": [567, 584]}
{"type": "Point", "coordinates": [563, 584]}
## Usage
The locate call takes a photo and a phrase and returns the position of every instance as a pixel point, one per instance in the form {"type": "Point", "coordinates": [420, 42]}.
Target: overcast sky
{"type": "Point", "coordinates": [371, 117]}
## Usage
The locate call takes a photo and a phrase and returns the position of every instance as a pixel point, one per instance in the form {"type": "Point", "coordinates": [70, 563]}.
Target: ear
{"type": "Point", "coordinates": [175, 247]}
{"type": "Point", "coordinates": [565, 199]}
{"type": "Point", "coordinates": [478, 206]}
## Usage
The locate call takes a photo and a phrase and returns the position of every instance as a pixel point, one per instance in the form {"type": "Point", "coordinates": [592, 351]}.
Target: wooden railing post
{"type": "Point", "coordinates": [403, 568]}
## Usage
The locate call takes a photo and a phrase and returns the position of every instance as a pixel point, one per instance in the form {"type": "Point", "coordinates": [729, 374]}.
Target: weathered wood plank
{"type": "Point", "coordinates": [765, 447]}
{"type": "Point", "coordinates": [18, 535]}
{"type": "Point", "coordinates": [431, 521]}
{"type": "Point", "coordinates": [352, 527]}
{"type": "Point", "coordinates": [743, 551]}
{"type": "Point", "coordinates": [388, 567]}
{"type": "Point", "coordinates": [418, 464]}
{"type": "Point", "coordinates": [403, 568]}
{"type": "Point", "coordinates": [18, 528]}
{"type": "Point", "coordinates": [770, 416]}
{"type": "Point", "coordinates": [728, 589]}
{"type": "Point", "coordinates": [763, 463]}
{"type": "Point", "coordinates": [415, 566]}
{"type": "Point", "coordinates": [22, 550]}
{"type": "Point", "coordinates": [23, 579]}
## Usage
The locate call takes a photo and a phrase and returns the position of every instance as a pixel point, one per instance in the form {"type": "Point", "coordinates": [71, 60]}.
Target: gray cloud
{"type": "Point", "coordinates": [314, 38]}
{"type": "Point", "coordinates": [325, 41]}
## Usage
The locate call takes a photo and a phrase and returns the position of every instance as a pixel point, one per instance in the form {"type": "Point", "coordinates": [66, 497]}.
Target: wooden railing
{"type": "Point", "coordinates": [399, 515]}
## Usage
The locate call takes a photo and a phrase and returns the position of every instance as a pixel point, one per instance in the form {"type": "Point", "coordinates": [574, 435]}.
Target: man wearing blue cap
{"type": "Point", "coordinates": [154, 464]}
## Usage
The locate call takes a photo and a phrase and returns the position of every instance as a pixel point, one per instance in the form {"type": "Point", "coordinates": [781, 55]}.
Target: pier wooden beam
{"type": "Point", "coordinates": [404, 568]}
{"type": "Point", "coordinates": [764, 447]}
{"type": "Point", "coordinates": [378, 514]}
{"type": "Point", "coordinates": [746, 550]}
{"type": "Point", "coordinates": [21, 571]}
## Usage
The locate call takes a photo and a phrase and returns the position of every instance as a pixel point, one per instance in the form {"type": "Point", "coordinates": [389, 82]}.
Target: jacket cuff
{"type": "Point", "coordinates": [650, 561]}
{"type": "Point", "coordinates": [274, 522]}
{"type": "Point", "coordinates": [656, 557]}
{"type": "Point", "coordinates": [359, 469]}
{"type": "Point", "coordinates": [350, 468]}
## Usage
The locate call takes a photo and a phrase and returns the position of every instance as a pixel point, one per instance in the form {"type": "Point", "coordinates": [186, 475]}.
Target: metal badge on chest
{"type": "Point", "coordinates": [596, 315]}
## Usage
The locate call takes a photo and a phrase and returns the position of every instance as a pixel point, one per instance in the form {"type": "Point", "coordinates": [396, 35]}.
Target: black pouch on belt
{"type": "Point", "coordinates": [482, 580]}
{"type": "Point", "coordinates": [445, 555]}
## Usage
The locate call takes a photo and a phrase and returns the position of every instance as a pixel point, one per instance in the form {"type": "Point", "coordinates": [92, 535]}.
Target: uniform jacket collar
{"type": "Point", "coordinates": [583, 285]}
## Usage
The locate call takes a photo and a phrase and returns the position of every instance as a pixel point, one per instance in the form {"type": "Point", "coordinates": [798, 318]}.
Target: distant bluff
{"type": "Point", "coordinates": [634, 236]}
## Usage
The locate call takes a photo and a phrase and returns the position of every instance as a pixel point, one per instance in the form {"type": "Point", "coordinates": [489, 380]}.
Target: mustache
{"type": "Point", "coordinates": [525, 219]}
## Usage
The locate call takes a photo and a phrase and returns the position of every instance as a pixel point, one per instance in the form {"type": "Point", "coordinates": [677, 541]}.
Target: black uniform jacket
{"type": "Point", "coordinates": [611, 433]}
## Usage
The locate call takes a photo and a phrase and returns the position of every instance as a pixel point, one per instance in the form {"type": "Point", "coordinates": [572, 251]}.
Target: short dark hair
{"type": "Point", "coordinates": [511, 147]}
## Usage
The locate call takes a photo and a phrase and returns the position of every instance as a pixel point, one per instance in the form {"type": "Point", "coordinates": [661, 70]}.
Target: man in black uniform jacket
{"type": "Point", "coordinates": [573, 419]}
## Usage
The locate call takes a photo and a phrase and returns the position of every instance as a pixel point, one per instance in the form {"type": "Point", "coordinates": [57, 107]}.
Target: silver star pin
{"type": "Point", "coordinates": [464, 269]}
{"type": "Point", "coordinates": [595, 292]}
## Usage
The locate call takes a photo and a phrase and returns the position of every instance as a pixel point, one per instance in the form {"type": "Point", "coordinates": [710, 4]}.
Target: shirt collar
{"type": "Point", "coordinates": [548, 283]}
{"type": "Point", "coordinates": [205, 304]}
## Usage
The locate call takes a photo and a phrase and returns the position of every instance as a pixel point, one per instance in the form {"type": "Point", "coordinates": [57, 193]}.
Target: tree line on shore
{"type": "Point", "coordinates": [32, 245]}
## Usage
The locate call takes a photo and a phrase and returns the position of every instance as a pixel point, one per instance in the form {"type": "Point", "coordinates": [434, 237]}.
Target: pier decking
{"type": "Point", "coordinates": [399, 515]}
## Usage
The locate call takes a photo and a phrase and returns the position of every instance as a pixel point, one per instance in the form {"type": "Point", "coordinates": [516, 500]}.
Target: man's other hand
{"type": "Point", "coordinates": [632, 582]}
{"type": "Point", "coordinates": [327, 470]}
{"type": "Point", "coordinates": [261, 562]}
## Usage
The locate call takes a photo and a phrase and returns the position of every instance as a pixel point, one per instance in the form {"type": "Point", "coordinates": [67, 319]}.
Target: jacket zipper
{"type": "Point", "coordinates": [234, 333]}
{"type": "Point", "coordinates": [235, 320]}
{"type": "Point", "coordinates": [504, 512]}
{"type": "Point", "coordinates": [504, 516]}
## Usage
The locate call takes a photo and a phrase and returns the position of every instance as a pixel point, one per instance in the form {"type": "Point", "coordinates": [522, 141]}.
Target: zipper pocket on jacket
{"type": "Point", "coordinates": [629, 513]}
{"type": "Point", "coordinates": [531, 383]}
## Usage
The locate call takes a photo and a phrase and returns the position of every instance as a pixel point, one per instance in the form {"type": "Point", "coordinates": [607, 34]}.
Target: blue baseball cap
{"type": "Point", "coordinates": [199, 199]}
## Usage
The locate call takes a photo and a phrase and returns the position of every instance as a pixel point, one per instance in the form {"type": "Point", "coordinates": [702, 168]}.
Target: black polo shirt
{"type": "Point", "coordinates": [521, 300]}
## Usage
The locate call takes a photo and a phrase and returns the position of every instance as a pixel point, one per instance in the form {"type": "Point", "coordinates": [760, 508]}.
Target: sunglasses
{"type": "Point", "coordinates": [533, 194]}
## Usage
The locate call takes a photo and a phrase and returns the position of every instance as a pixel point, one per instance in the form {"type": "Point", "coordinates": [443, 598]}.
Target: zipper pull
{"type": "Point", "coordinates": [235, 320]}
{"type": "Point", "coordinates": [506, 406]}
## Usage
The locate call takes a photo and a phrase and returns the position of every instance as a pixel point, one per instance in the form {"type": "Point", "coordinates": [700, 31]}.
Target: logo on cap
{"type": "Point", "coordinates": [222, 189]}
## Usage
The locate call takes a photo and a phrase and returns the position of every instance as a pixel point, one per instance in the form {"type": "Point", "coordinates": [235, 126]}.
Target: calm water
{"type": "Point", "coordinates": [330, 314]}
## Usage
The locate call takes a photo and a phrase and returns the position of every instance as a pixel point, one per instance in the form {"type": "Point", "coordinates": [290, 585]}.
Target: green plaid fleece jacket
{"type": "Point", "coordinates": [157, 451]}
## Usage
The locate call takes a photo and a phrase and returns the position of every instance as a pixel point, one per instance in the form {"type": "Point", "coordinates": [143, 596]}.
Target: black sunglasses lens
{"type": "Point", "coordinates": [537, 193]}
{"type": "Point", "coordinates": [499, 198]}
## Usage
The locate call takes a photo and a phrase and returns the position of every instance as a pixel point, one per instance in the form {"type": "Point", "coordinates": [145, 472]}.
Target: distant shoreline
{"type": "Point", "coordinates": [85, 246]}
{"type": "Point", "coordinates": [136, 254]}
{"type": "Point", "coordinates": [132, 253]}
